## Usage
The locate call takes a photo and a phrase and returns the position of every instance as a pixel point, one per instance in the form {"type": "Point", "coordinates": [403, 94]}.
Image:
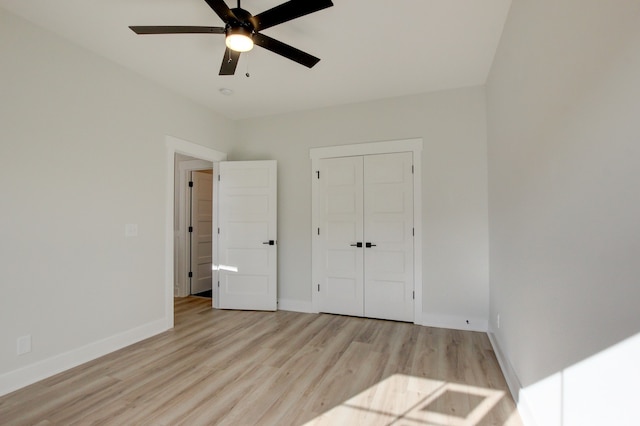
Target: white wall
{"type": "Point", "coordinates": [455, 240]}
{"type": "Point", "coordinates": [82, 153]}
{"type": "Point", "coordinates": [564, 204]}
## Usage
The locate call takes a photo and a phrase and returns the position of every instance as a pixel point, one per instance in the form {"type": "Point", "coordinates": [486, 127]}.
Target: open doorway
{"type": "Point", "coordinates": [193, 220]}
{"type": "Point", "coordinates": [187, 151]}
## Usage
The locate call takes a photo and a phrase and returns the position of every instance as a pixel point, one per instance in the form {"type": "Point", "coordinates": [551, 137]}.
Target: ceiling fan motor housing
{"type": "Point", "coordinates": [239, 31]}
{"type": "Point", "coordinates": [243, 20]}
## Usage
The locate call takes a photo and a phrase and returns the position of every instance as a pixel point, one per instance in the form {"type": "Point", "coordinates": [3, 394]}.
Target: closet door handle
{"type": "Point", "coordinates": [369, 245]}
{"type": "Point", "coordinates": [356, 245]}
{"type": "Point", "coordinates": [270, 242]}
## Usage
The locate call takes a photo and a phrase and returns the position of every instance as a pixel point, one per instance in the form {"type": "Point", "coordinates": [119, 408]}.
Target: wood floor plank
{"type": "Point", "coordinates": [277, 368]}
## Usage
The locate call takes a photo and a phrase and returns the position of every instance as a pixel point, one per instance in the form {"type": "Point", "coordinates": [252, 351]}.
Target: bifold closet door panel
{"type": "Point", "coordinates": [388, 232]}
{"type": "Point", "coordinates": [341, 224]}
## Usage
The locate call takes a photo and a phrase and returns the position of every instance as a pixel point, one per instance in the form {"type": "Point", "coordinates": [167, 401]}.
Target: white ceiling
{"type": "Point", "coordinates": [369, 49]}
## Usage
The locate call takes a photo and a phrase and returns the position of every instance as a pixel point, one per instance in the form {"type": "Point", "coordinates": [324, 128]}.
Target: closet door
{"type": "Point", "coordinates": [366, 236]}
{"type": "Point", "coordinates": [341, 223]}
{"type": "Point", "coordinates": [388, 232]}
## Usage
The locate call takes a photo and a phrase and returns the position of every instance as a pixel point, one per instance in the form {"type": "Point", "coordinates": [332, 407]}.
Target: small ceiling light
{"type": "Point", "coordinates": [226, 92]}
{"type": "Point", "coordinates": [239, 39]}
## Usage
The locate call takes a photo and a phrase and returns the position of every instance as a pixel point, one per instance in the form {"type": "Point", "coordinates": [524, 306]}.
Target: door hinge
{"type": "Point", "coordinates": [191, 229]}
{"type": "Point", "coordinates": [413, 231]}
{"type": "Point", "coordinates": [414, 295]}
{"type": "Point", "coordinates": [218, 178]}
{"type": "Point", "coordinates": [190, 184]}
{"type": "Point", "coordinates": [218, 231]}
{"type": "Point", "coordinates": [318, 287]}
{"type": "Point", "coordinates": [318, 231]}
{"type": "Point", "coordinates": [218, 284]}
{"type": "Point", "coordinates": [190, 274]}
{"type": "Point", "coordinates": [318, 173]}
{"type": "Point", "coordinates": [412, 169]}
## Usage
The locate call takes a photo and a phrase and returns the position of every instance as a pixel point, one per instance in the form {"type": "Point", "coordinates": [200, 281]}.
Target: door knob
{"type": "Point", "coordinates": [369, 245]}
{"type": "Point", "coordinates": [356, 245]}
{"type": "Point", "coordinates": [270, 242]}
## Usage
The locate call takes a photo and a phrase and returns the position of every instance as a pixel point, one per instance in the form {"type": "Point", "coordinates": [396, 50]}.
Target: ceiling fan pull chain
{"type": "Point", "coordinates": [247, 56]}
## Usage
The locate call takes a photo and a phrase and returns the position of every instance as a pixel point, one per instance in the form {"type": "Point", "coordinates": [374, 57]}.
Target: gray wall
{"type": "Point", "coordinates": [454, 193]}
{"type": "Point", "coordinates": [564, 197]}
{"type": "Point", "coordinates": [82, 153]}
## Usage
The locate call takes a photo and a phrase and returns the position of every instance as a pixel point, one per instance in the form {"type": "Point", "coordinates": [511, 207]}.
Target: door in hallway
{"type": "Point", "coordinates": [201, 237]}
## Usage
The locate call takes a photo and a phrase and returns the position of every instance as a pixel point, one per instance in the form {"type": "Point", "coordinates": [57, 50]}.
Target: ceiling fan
{"type": "Point", "coordinates": [242, 30]}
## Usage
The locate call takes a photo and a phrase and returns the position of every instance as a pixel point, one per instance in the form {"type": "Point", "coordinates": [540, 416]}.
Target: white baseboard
{"type": "Point", "coordinates": [295, 306]}
{"type": "Point", "coordinates": [512, 382]}
{"type": "Point", "coordinates": [40, 370]}
{"type": "Point", "coordinates": [455, 323]}
{"type": "Point", "coordinates": [440, 321]}
{"type": "Point", "coordinates": [507, 370]}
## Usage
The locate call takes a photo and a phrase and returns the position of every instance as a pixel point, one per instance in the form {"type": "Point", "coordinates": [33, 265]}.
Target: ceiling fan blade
{"type": "Point", "coordinates": [229, 62]}
{"type": "Point", "coordinates": [222, 10]}
{"type": "Point", "coordinates": [148, 29]}
{"type": "Point", "coordinates": [287, 11]}
{"type": "Point", "coordinates": [285, 50]}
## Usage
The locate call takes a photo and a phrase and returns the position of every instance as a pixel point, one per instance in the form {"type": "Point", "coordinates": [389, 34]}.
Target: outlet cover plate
{"type": "Point", "coordinates": [24, 344]}
{"type": "Point", "coordinates": [131, 230]}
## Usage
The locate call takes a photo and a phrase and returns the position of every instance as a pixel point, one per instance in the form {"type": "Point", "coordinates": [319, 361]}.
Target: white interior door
{"type": "Point", "coordinates": [247, 251]}
{"type": "Point", "coordinates": [388, 228]}
{"type": "Point", "coordinates": [340, 233]}
{"type": "Point", "coordinates": [366, 236]}
{"type": "Point", "coordinates": [201, 237]}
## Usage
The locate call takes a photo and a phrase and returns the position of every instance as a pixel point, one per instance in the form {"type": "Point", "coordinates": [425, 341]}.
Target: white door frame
{"type": "Point", "coordinates": [177, 146]}
{"type": "Point", "coordinates": [386, 147]}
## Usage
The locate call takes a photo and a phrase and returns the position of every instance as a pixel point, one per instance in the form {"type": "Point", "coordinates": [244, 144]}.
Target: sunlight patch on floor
{"type": "Point", "coordinates": [415, 401]}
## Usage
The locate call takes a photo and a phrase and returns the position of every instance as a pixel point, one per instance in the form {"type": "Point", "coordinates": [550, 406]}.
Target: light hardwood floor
{"type": "Point", "coordinates": [283, 368]}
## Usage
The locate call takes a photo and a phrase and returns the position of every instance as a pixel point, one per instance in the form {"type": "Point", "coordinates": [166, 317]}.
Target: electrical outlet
{"type": "Point", "coordinates": [498, 320]}
{"type": "Point", "coordinates": [24, 344]}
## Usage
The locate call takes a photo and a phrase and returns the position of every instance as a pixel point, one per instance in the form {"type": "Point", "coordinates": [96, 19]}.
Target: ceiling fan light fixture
{"type": "Point", "coordinates": [239, 39]}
